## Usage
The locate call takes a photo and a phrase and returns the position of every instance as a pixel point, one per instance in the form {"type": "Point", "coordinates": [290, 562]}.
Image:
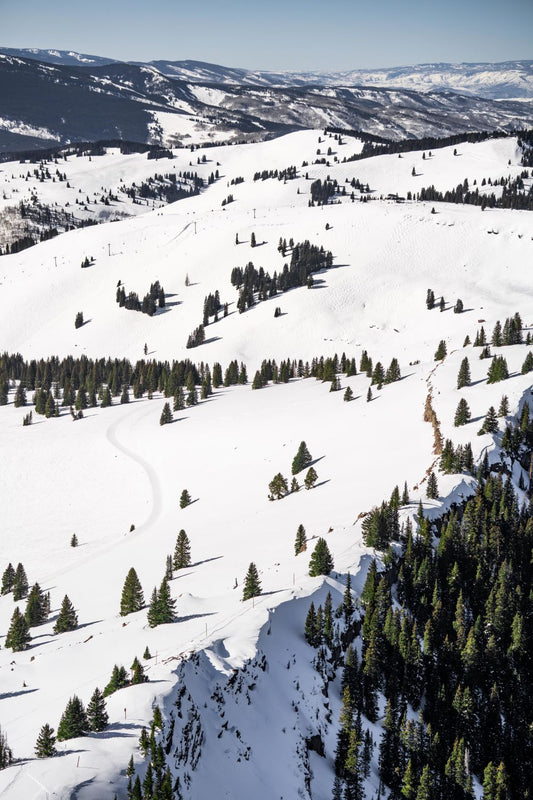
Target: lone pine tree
{"type": "Point", "coordinates": [182, 551]}
{"type": "Point", "coordinates": [462, 413]}
{"type": "Point", "coordinates": [185, 499]}
{"type": "Point", "coordinates": [300, 543]}
{"type": "Point", "coordinates": [463, 376]}
{"type": "Point", "coordinates": [252, 584]}
{"type": "Point", "coordinates": [45, 746]}
{"type": "Point", "coordinates": [321, 562]}
{"type": "Point", "coordinates": [67, 619]}
{"type": "Point", "coordinates": [432, 490]}
{"type": "Point", "coordinates": [166, 415]}
{"type": "Point", "coordinates": [278, 487]}
{"type": "Point", "coordinates": [97, 715]}
{"type": "Point", "coordinates": [132, 594]}
{"type": "Point", "coordinates": [74, 720]}
{"type": "Point", "coordinates": [118, 680]}
{"type": "Point", "coordinates": [302, 459]}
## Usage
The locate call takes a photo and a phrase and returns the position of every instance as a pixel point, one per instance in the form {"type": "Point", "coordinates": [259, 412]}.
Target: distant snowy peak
{"type": "Point", "coordinates": [509, 79]}
{"type": "Point", "coordinates": [503, 80]}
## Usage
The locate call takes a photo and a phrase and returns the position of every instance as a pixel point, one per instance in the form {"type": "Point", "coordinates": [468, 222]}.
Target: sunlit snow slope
{"type": "Point", "coordinates": [119, 467]}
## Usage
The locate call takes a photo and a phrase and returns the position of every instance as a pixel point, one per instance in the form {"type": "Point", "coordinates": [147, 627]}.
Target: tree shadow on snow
{"type": "Point", "coordinates": [7, 695]}
{"type": "Point", "coordinates": [196, 616]}
{"type": "Point", "coordinates": [328, 480]}
{"type": "Point", "coordinates": [205, 561]}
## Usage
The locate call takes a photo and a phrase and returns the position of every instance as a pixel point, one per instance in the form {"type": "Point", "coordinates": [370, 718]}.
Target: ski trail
{"type": "Point", "coordinates": [113, 439]}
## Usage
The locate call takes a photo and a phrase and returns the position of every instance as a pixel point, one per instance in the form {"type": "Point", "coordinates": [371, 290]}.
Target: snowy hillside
{"type": "Point", "coordinates": [118, 467]}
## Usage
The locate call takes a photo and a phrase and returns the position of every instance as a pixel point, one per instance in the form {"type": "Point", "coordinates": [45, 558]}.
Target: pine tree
{"type": "Point", "coordinates": [310, 478]}
{"type": "Point", "coordinates": [347, 600]}
{"type": "Point", "coordinates": [35, 612]}
{"type": "Point", "coordinates": [182, 551]}
{"type": "Point", "coordinates": [166, 415]}
{"type": "Point", "coordinates": [295, 486]}
{"type": "Point", "coordinates": [67, 619]}
{"type": "Point", "coordinates": [310, 632]}
{"type": "Point", "coordinates": [137, 672]}
{"type": "Point", "coordinates": [369, 395]}
{"type": "Point", "coordinates": [107, 400]}
{"type": "Point", "coordinates": [97, 715]}
{"type": "Point", "coordinates": [430, 299]}
{"type": "Point", "coordinates": [432, 490]}
{"type": "Point", "coordinates": [74, 540]}
{"type": "Point", "coordinates": [405, 495]}
{"type": "Point", "coordinates": [20, 583]}
{"type": "Point", "coordinates": [463, 377]}
{"type": "Point", "coordinates": [18, 636]}
{"type": "Point", "coordinates": [302, 459]}
{"type": "Point", "coordinates": [321, 562]}
{"type": "Point", "coordinates": [20, 396]}
{"type": "Point", "coordinates": [278, 487]}
{"type": "Point", "coordinates": [462, 413]}
{"type": "Point", "coordinates": [348, 394]}
{"type": "Point", "coordinates": [441, 351]}
{"type": "Point", "coordinates": [118, 680]}
{"type": "Point", "coordinates": [132, 594]}
{"type": "Point", "coordinates": [185, 499]}
{"type": "Point", "coordinates": [503, 410]}
{"type": "Point", "coordinates": [125, 396]}
{"type": "Point", "coordinates": [6, 754]}
{"type": "Point", "coordinates": [458, 307]}
{"type": "Point", "coordinates": [45, 746]}
{"type": "Point", "coordinates": [74, 720]}
{"type": "Point", "coordinates": [252, 584]}
{"type": "Point", "coordinates": [162, 606]}
{"type": "Point", "coordinates": [300, 543]}
{"type": "Point", "coordinates": [147, 654]}
{"type": "Point", "coordinates": [498, 370]}
{"type": "Point", "coordinates": [8, 579]}
{"type": "Point", "coordinates": [78, 322]}
{"type": "Point", "coordinates": [490, 424]}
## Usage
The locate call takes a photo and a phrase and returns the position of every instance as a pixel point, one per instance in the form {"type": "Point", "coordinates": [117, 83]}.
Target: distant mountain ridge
{"type": "Point", "coordinates": [44, 103]}
{"type": "Point", "coordinates": [501, 80]}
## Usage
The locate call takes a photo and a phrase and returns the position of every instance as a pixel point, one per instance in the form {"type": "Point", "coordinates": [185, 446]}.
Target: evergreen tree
{"type": "Point", "coordinates": [252, 584]}
{"type": "Point", "coordinates": [462, 413]}
{"type": "Point", "coordinates": [458, 307]}
{"type": "Point", "coordinates": [166, 415]}
{"type": "Point", "coordinates": [182, 551]}
{"type": "Point", "coordinates": [430, 299]}
{"type": "Point", "coordinates": [378, 375]}
{"type": "Point", "coordinates": [321, 562]}
{"type": "Point", "coordinates": [498, 370]}
{"type": "Point", "coordinates": [310, 629]}
{"type": "Point", "coordinates": [432, 490]}
{"type": "Point", "coordinates": [295, 486]}
{"type": "Point", "coordinates": [348, 394]}
{"type": "Point", "coordinates": [118, 680]}
{"type": "Point", "coordinates": [74, 540]}
{"type": "Point", "coordinates": [97, 715]}
{"type": "Point", "coordinates": [78, 322]}
{"type": "Point", "coordinates": [302, 459]}
{"type": "Point", "coordinates": [503, 410]}
{"type": "Point", "coordinates": [277, 487]}
{"type": "Point", "coordinates": [35, 612]}
{"type": "Point", "coordinates": [300, 543]}
{"type": "Point", "coordinates": [369, 395]}
{"type": "Point", "coordinates": [45, 746]}
{"type": "Point", "coordinates": [137, 672]}
{"type": "Point", "coordinates": [185, 499]}
{"type": "Point", "coordinates": [310, 478]}
{"type": "Point", "coordinates": [67, 619]}
{"type": "Point", "coordinates": [132, 594]}
{"type": "Point", "coordinates": [20, 583]}
{"type": "Point", "coordinates": [18, 636]}
{"type": "Point", "coordinates": [74, 720]}
{"type": "Point", "coordinates": [107, 400]}
{"type": "Point", "coordinates": [6, 754]}
{"type": "Point", "coordinates": [162, 606]}
{"type": "Point", "coordinates": [463, 377]}
{"type": "Point", "coordinates": [20, 396]}
{"type": "Point", "coordinates": [8, 578]}
{"type": "Point", "coordinates": [490, 424]}
{"type": "Point", "coordinates": [441, 351]}
{"type": "Point", "coordinates": [147, 654]}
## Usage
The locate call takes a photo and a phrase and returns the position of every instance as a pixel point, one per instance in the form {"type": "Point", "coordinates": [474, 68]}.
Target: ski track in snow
{"type": "Point", "coordinates": [155, 485]}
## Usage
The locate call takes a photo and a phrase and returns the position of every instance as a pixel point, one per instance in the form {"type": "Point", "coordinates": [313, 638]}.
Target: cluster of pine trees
{"type": "Point", "coordinates": [287, 174]}
{"type": "Point", "coordinates": [152, 300]}
{"type": "Point", "coordinates": [255, 285]}
{"type": "Point", "coordinates": [514, 195]}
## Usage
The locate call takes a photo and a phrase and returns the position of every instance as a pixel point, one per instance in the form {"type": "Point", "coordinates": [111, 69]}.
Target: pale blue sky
{"type": "Point", "coordinates": [278, 34]}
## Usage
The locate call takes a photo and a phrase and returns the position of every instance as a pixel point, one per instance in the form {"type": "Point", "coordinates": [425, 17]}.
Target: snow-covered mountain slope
{"type": "Point", "coordinates": [118, 466]}
{"type": "Point", "coordinates": [506, 79]}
